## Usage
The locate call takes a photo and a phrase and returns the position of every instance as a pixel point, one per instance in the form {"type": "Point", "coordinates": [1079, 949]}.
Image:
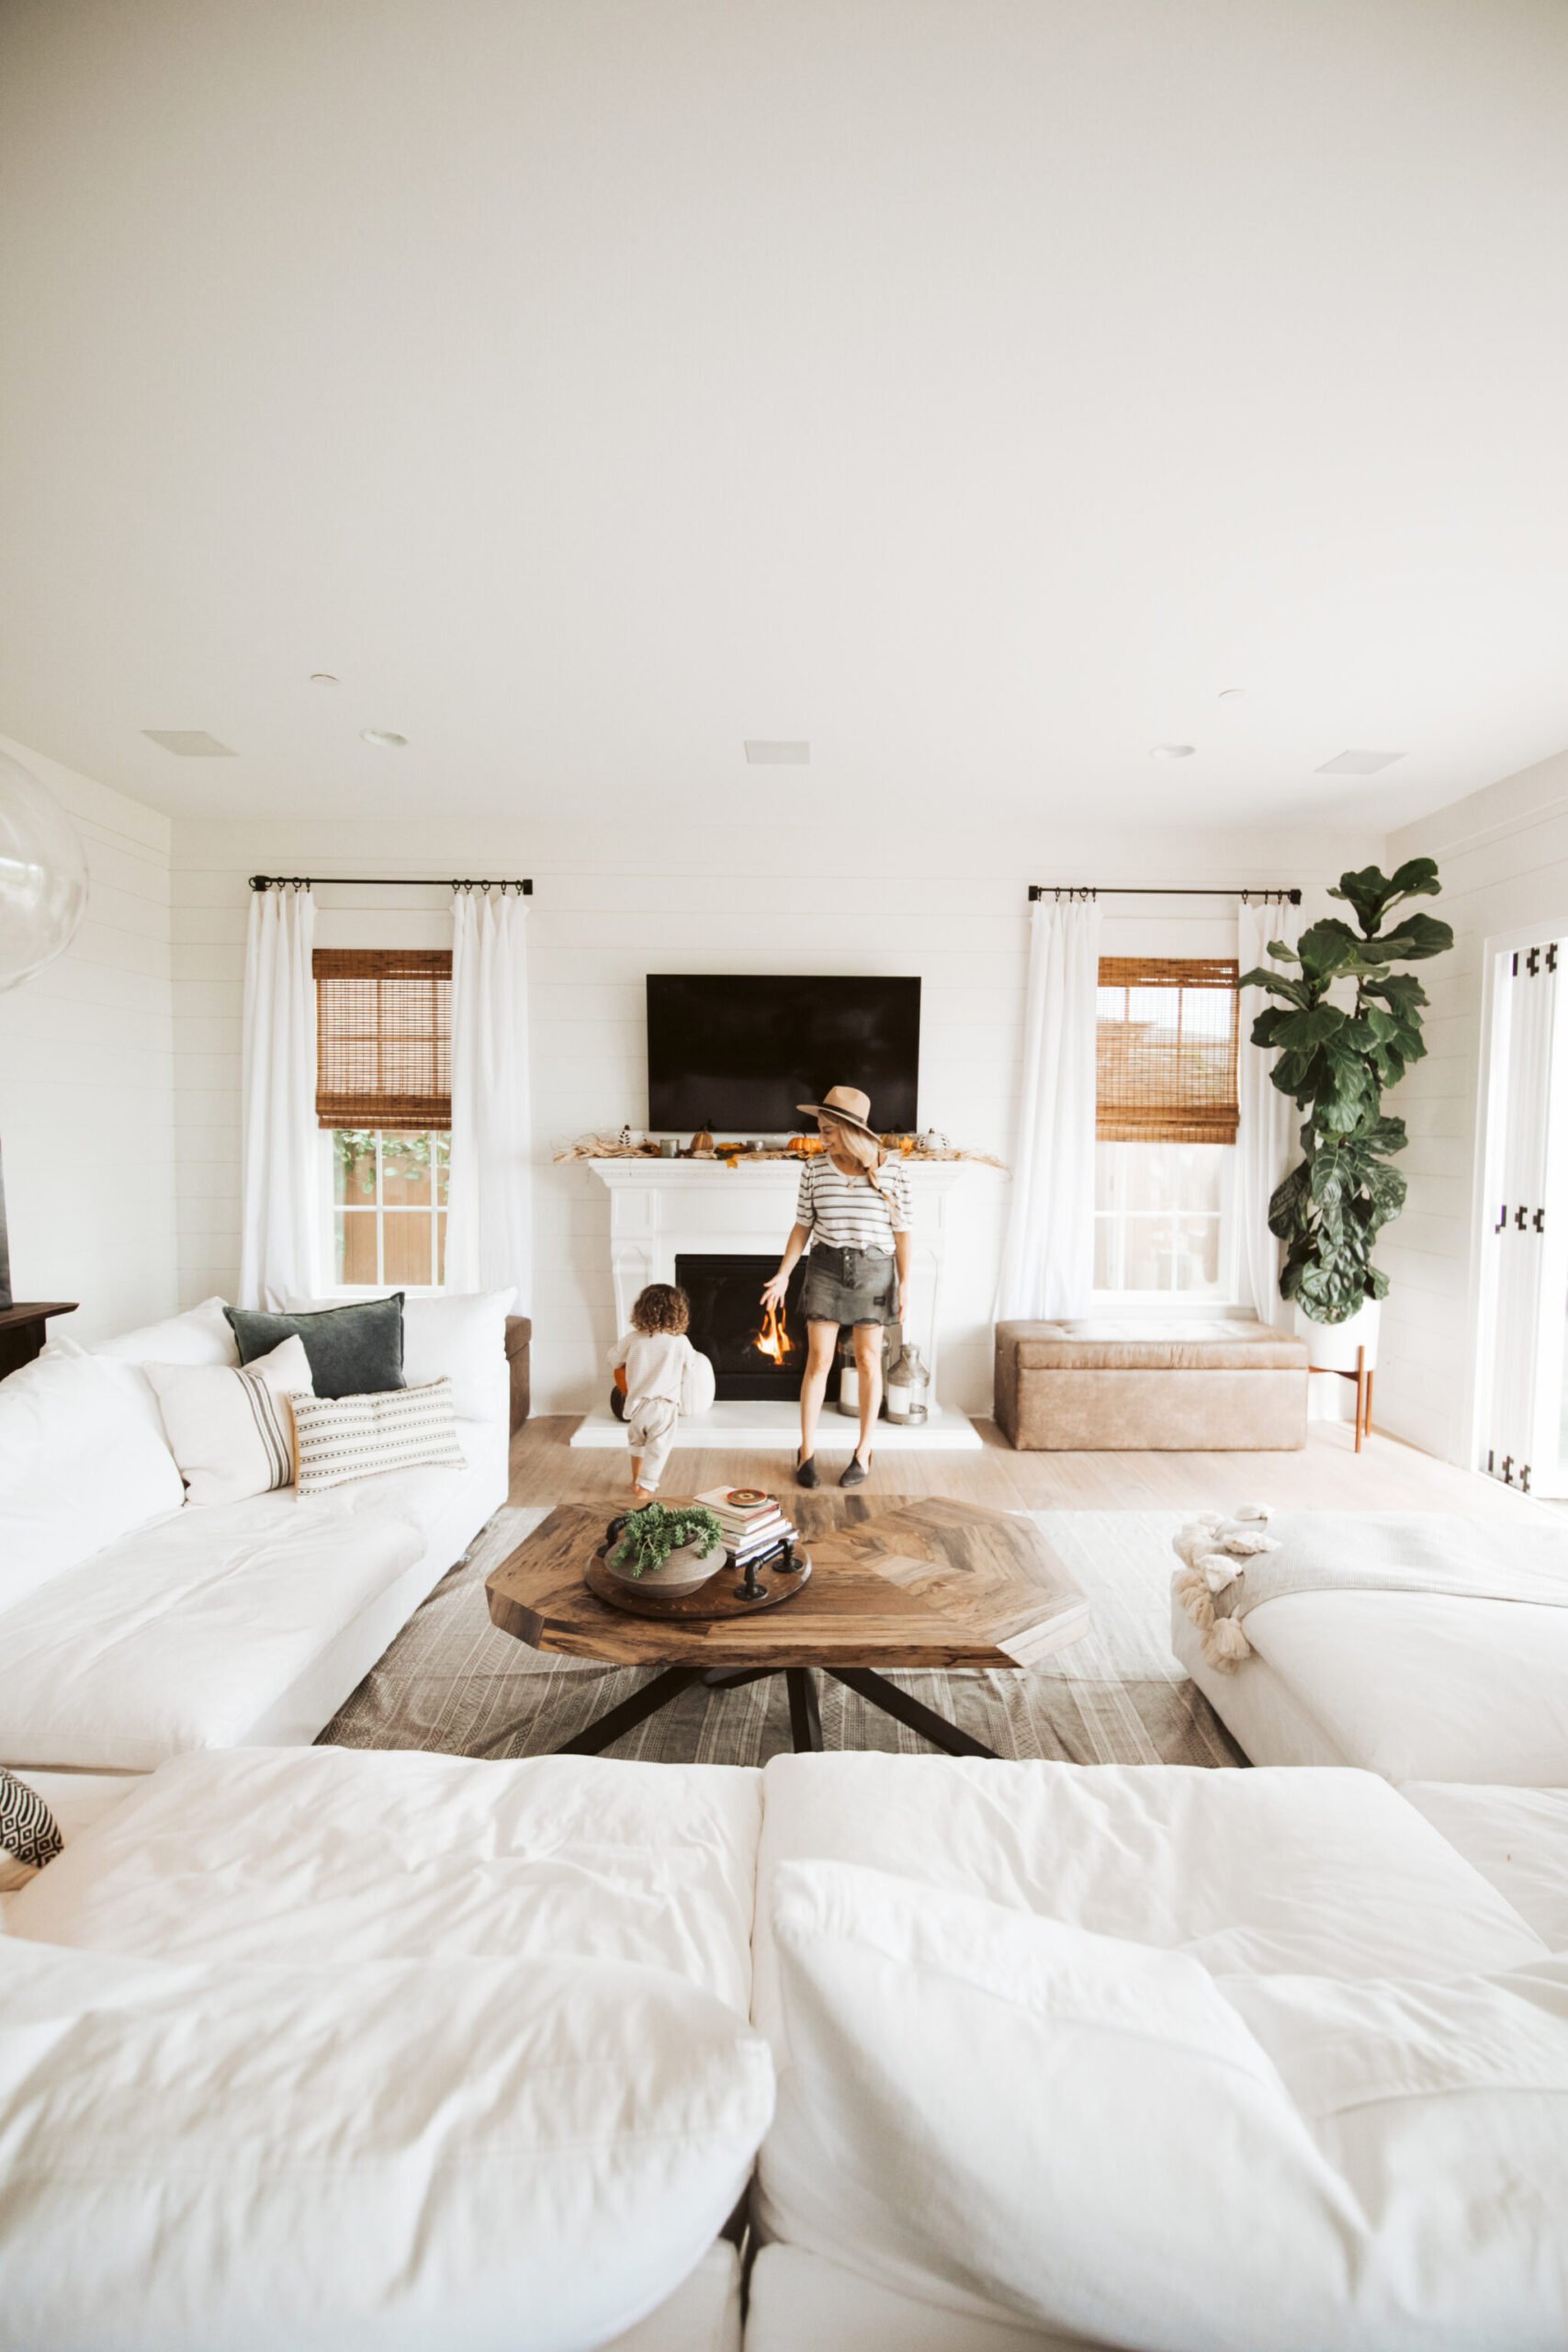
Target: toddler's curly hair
{"type": "Point", "coordinates": [660, 1308]}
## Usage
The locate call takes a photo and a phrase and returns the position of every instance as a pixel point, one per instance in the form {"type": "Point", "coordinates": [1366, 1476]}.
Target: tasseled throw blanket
{"type": "Point", "coordinates": [1232, 1566]}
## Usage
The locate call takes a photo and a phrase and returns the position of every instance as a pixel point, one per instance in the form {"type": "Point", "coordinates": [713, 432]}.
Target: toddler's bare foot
{"type": "Point", "coordinates": [642, 1494]}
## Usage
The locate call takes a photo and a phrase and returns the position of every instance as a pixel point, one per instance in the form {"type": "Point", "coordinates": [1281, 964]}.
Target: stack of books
{"type": "Point", "coordinates": [755, 1527]}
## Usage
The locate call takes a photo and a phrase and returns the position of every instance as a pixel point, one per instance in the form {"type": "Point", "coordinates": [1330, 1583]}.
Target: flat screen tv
{"type": "Point", "coordinates": [739, 1053]}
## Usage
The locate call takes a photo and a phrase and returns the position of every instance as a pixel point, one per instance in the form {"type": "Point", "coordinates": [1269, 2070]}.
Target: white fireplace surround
{"type": "Point", "coordinates": [662, 1209]}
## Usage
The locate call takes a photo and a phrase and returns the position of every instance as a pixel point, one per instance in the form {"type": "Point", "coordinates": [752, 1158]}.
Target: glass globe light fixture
{"type": "Point", "coordinates": [43, 875]}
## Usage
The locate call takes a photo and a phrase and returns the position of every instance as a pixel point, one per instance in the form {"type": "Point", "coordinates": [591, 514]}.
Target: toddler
{"type": "Point", "coordinates": [659, 1359]}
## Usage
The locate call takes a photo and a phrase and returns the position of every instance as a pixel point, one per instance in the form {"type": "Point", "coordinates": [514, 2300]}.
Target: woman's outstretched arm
{"type": "Point", "coordinates": [773, 1290]}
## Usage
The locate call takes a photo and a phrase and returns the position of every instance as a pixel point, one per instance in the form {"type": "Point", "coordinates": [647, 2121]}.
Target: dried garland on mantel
{"type": "Point", "coordinates": [731, 1155]}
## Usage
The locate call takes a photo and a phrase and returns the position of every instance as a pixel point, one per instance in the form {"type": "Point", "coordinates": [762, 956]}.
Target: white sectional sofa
{"type": "Point", "coordinates": [1415, 1686]}
{"type": "Point", "coordinates": [134, 1627]}
{"type": "Point", "coordinates": [1391, 1934]}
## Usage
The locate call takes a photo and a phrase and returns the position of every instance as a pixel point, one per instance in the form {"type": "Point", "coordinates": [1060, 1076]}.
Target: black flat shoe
{"type": "Point", "coordinates": [858, 1472]}
{"type": "Point", "coordinates": [806, 1472]}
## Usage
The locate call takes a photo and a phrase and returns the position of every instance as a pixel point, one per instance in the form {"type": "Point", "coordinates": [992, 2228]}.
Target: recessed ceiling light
{"type": "Point", "coordinates": [1233, 694]}
{"type": "Point", "coordinates": [1358, 763]}
{"type": "Point", "coordinates": [777, 755]}
{"type": "Point", "coordinates": [188, 742]}
{"type": "Point", "coordinates": [1173, 750]}
{"type": "Point", "coordinates": [383, 738]}
{"type": "Point", "coordinates": [323, 678]}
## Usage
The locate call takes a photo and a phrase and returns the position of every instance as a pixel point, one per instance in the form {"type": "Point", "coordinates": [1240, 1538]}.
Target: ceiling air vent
{"type": "Point", "coordinates": [188, 742]}
{"type": "Point", "coordinates": [778, 755]}
{"type": "Point", "coordinates": [1358, 763]}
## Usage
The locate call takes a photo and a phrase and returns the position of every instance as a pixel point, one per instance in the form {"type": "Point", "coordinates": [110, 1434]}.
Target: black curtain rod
{"type": "Point", "coordinates": [1149, 890]}
{"type": "Point", "coordinates": [384, 882]}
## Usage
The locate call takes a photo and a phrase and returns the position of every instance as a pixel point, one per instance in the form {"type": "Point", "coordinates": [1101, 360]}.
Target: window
{"type": "Point", "coordinates": [384, 1104]}
{"type": "Point", "coordinates": [388, 1209]}
{"type": "Point", "coordinates": [1165, 1124]}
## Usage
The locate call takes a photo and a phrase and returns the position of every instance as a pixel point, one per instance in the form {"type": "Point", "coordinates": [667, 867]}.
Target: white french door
{"type": "Point", "coordinates": [1524, 1268]}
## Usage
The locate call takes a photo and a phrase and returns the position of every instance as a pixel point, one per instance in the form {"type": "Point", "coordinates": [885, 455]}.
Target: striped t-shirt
{"type": "Point", "coordinates": [847, 1212]}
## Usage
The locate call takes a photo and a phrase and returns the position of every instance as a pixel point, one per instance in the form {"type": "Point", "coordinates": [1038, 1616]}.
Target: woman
{"type": "Point", "coordinates": [853, 1209]}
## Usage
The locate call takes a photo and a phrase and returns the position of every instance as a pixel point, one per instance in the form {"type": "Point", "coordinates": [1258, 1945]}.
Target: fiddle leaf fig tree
{"type": "Point", "coordinates": [1337, 1059]}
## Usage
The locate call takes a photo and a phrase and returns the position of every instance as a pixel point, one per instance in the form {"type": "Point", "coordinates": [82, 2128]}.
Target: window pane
{"type": "Point", "coordinates": [353, 1236]}
{"type": "Point", "coordinates": [354, 1166]}
{"type": "Point", "coordinates": [1105, 1253]}
{"type": "Point", "coordinates": [406, 1246]}
{"type": "Point", "coordinates": [405, 1171]}
{"type": "Point", "coordinates": [441, 1247]}
{"type": "Point", "coordinates": [1197, 1253]}
{"type": "Point", "coordinates": [1148, 1253]}
{"type": "Point", "coordinates": [441, 1148]}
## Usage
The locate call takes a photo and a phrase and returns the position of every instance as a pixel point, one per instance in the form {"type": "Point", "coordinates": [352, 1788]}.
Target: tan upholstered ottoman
{"type": "Point", "coordinates": [1121, 1385]}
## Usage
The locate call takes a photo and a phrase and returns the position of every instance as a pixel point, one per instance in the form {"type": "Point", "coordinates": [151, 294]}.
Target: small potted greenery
{"type": "Point", "coordinates": [667, 1548]}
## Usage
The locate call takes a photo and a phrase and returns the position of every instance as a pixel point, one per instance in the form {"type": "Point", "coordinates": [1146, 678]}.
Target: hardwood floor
{"type": "Point", "coordinates": [1326, 1475]}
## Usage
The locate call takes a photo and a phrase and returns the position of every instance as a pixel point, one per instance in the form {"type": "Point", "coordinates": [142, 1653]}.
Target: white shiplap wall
{"type": "Point", "coordinates": [606, 910]}
{"type": "Point", "coordinates": [86, 1080]}
{"type": "Point", "coordinates": [1503, 858]}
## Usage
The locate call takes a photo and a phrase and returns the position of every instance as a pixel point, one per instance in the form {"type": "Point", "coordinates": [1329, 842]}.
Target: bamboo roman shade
{"type": "Point", "coordinates": [383, 1037]}
{"type": "Point", "coordinates": [1166, 1048]}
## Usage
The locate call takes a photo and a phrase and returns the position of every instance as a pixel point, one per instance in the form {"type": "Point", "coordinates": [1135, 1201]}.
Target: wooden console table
{"type": "Point", "coordinates": [22, 1332]}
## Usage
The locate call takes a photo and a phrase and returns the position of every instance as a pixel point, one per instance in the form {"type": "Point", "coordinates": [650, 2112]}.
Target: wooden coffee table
{"type": "Point", "coordinates": [924, 1584]}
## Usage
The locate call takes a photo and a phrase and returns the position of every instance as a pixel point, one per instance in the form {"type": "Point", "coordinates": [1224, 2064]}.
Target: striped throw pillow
{"type": "Point", "coordinates": [339, 1437]}
{"type": "Point", "coordinates": [229, 1428]}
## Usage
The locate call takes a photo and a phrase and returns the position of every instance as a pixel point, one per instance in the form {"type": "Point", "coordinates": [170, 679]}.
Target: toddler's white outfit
{"type": "Point", "coordinates": [656, 1364]}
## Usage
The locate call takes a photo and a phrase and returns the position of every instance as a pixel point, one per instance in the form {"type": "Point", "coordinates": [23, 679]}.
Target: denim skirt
{"type": "Point", "coordinates": [849, 1286]}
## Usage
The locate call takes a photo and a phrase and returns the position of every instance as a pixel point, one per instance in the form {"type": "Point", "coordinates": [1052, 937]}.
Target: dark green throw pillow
{"type": "Point", "coordinates": [354, 1351]}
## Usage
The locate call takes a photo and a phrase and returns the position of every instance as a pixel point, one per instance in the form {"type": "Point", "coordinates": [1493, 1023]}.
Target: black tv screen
{"type": "Point", "coordinates": [740, 1052]}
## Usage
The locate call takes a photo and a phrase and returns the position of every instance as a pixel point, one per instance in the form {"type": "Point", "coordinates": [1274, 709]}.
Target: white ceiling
{"type": "Point", "coordinates": [973, 387]}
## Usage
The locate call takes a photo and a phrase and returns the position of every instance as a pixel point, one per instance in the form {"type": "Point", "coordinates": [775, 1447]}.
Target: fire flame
{"type": "Point", "coordinates": [774, 1339]}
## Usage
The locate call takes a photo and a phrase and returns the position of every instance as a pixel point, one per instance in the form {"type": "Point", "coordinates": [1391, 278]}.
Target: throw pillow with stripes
{"type": "Point", "coordinates": [229, 1428]}
{"type": "Point", "coordinates": [30, 1833]}
{"type": "Point", "coordinates": [339, 1437]}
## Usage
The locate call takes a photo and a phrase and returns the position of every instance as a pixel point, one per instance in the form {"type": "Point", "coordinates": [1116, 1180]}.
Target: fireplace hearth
{"type": "Point", "coordinates": [753, 1353]}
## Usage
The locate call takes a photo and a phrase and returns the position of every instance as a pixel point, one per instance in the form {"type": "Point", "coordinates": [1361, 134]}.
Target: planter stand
{"type": "Point", "coordinates": [1362, 1378]}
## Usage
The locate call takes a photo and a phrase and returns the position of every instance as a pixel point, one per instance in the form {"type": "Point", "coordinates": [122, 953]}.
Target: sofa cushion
{"type": "Point", "coordinates": [1102, 2139]}
{"type": "Point", "coordinates": [354, 1351]}
{"type": "Point", "coordinates": [227, 1425]}
{"type": "Point", "coordinates": [277, 1855]}
{"type": "Point", "coordinates": [1328, 1872]}
{"type": "Point", "coordinates": [460, 1335]}
{"type": "Point", "coordinates": [1424, 1686]}
{"type": "Point", "coordinates": [1515, 1838]}
{"type": "Point", "coordinates": [83, 1461]}
{"type": "Point", "coordinates": [201, 1335]}
{"type": "Point", "coordinates": [795, 2298]}
{"type": "Point", "coordinates": [183, 1633]}
{"type": "Point", "coordinates": [1151, 1343]}
{"type": "Point", "coordinates": [210, 2159]}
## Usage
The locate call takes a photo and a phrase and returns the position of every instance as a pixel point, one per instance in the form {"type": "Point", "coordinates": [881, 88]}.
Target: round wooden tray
{"type": "Point", "coordinates": [718, 1599]}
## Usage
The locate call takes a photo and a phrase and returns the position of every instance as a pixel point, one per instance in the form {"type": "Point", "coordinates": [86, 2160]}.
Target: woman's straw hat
{"type": "Point", "coordinates": [849, 1106]}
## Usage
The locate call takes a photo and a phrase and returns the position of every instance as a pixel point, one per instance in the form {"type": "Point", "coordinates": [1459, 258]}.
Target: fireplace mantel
{"type": "Point", "coordinates": [660, 1208]}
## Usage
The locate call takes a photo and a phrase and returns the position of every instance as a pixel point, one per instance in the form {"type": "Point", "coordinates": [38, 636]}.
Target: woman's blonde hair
{"type": "Point", "coordinates": [864, 1150]}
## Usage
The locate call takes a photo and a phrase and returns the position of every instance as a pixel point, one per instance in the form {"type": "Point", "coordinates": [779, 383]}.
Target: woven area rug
{"type": "Point", "coordinates": [450, 1681]}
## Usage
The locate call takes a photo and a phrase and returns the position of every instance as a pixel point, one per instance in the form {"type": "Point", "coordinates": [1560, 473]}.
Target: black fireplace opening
{"type": "Point", "coordinates": [753, 1354]}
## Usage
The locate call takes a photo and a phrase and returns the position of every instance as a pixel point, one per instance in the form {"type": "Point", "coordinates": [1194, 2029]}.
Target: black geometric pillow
{"type": "Point", "coordinates": [28, 1831]}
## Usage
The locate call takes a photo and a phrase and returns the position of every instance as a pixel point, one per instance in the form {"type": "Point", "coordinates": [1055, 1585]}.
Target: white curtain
{"type": "Point", "coordinates": [1265, 1140]}
{"type": "Point", "coordinates": [1048, 1258]}
{"type": "Point", "coordinates": [487, 1212]}
{"type": "Point", "coordinates": [279, 1209]}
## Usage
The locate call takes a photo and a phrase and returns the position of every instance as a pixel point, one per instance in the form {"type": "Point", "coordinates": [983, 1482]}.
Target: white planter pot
{"type": "Point", "coordinates": [1332, 1347]}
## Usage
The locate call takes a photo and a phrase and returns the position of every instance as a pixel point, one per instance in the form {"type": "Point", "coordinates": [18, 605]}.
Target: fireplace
{"type": "Point", "coordinates": [753, 1354]}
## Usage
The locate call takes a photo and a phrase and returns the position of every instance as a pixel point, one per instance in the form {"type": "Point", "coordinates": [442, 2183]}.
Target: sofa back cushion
{"type": "Point", "coordinates": [458, 1335]}
{"type": "Point", "coordinates": [201, 1335]}
{"type": "Point", "coordinates": [83, 1461]}
{"type": "Point", "coordinates": [1007, 2114]}
{"type": "Point", "coordinates": [212, 2158]}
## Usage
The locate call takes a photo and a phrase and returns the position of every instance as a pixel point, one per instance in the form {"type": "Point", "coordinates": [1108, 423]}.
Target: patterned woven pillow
{"type": "Point", "coordinates": [339, 1437]}
{"type": "Point", "coordinates": [28, 1831]}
